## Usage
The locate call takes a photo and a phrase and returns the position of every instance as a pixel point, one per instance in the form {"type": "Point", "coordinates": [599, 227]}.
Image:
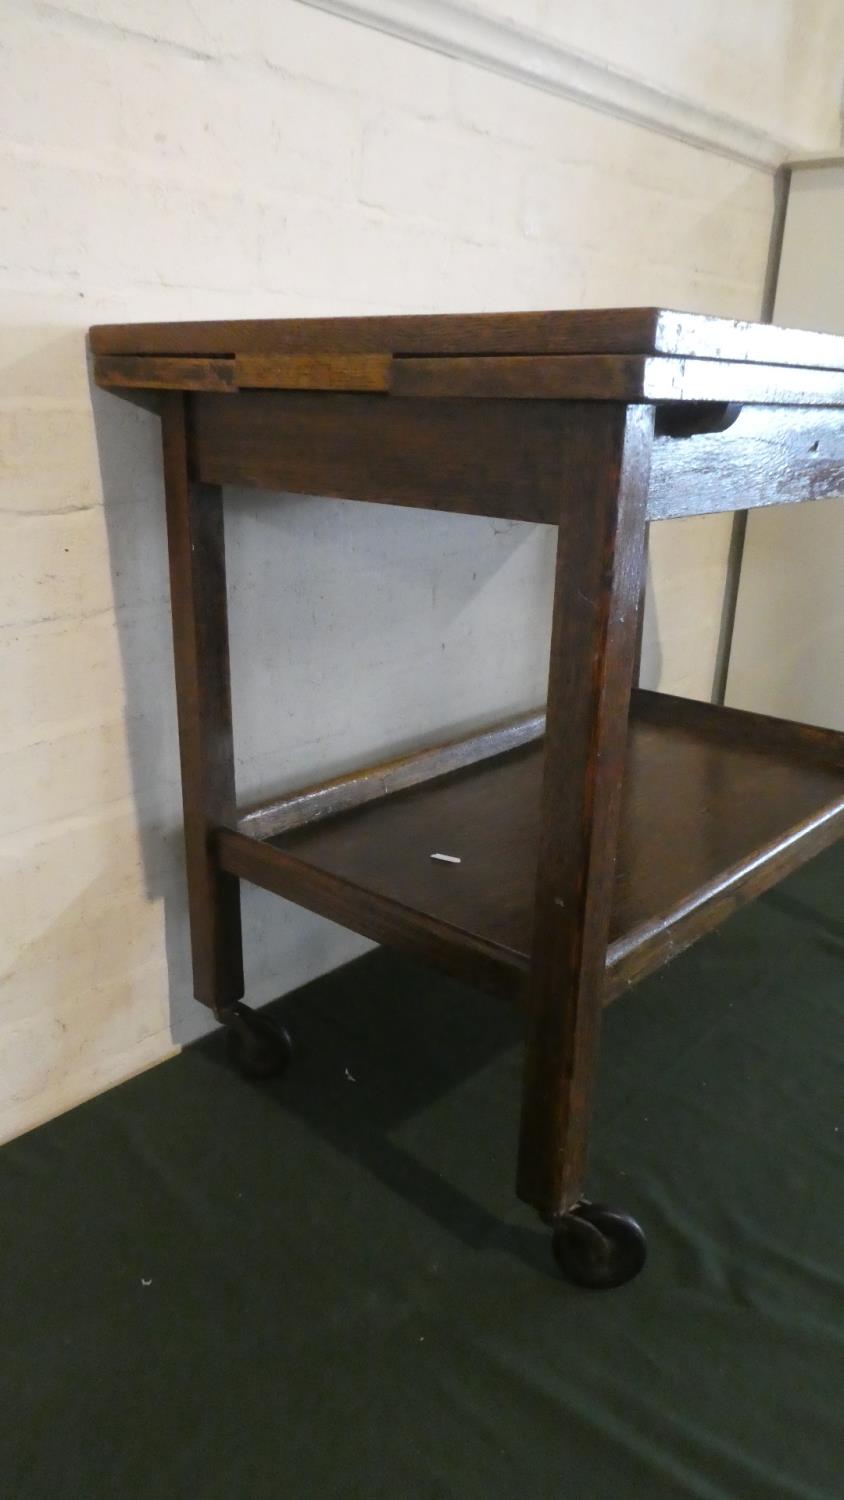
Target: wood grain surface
{"type": "Point", "coordinates": [767, 457]}
{"type": "Point", "coordinates": [615, 377]}
{"type": "Point", "coordinates": [629, 330]}
{"type": "Point", "coordinates": [714, 809]}
{"type": "Point", "coordinates": [495, 458]}
{"type": "Point", "coordinates": [203, 699]}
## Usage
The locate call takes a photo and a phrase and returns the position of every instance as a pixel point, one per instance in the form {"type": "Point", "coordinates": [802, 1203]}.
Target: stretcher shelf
{"type": "Point", "coordinates": [717, 805]}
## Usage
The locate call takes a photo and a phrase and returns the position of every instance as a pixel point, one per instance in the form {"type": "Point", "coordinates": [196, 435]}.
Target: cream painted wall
{"type": "Point", "coordinates": [774, 63]}
{"type": "Point", "coordinates": [788, 645]}
{"type": "Point", "coordinates": [258, 159]}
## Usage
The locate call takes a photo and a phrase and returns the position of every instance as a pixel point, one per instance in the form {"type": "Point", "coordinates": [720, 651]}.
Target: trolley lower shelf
{"type": "Point", "coordinates": [717, 806]}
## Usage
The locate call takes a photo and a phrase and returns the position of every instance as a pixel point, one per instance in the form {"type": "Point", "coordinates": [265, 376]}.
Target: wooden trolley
{"type": "Point", "coordinates": [598, 839]}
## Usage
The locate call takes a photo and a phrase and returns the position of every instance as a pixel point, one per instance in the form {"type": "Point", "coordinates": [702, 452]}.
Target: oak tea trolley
{"type": "Point", "coordinates": [599, 835]}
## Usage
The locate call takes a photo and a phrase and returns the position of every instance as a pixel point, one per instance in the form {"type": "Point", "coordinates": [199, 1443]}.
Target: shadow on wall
{"type": "Point", "coordinates": [356, 631]}
{"type": "Point", "coordinates": [651, 659]}
{"type": "Point", "coordinates": [129, 446]}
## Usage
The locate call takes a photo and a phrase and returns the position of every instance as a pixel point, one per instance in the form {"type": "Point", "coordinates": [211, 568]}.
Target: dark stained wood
{"type": "Point", "coordinates": [587, 859]}
{"type": "Point", "coordinates": [769, 456]}
{"type": "Point", "coordinates": [374, 913]}
{"type": "Point", "coordinates": [497, 458]}
{"type": "Point", "coordinates": [157, 373]}
{"type": "Point", "coordinates": [656, 941]}
{"type": "Point", "coordinates": [708, 820]}
{"type": "Point", "coordinates": [811, 743]}
{"type": "Point", "coordinates": [486, 814]}
{"type": "Point", "coordinates": [305, 372]}
{"type": "Point", "coordinates": [630, 330]}
{"type": "Point", "coordinates": [314, 372]}
{"type": "Point", "coordinates": [593, 641]}
{"type": "Point", "coordinates": [614, 377]}
{"type": "Point", "coordinates": [200, 644]}
{"type": "Point", "coordinates": [358, 788]}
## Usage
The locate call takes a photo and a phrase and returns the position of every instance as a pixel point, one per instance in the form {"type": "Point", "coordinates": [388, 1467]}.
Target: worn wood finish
{"type": "Point", "coordinates": [593, 641]}
{"type": "Point", "coordinates": [314, 372]}
{"type": "Point", "coordinates": [659, 939]}
{"type": "Point", "coordinates": [769, 456]}
{"type": "Point", "coordinates": [614, 377]}
{"type": "Point", "coordinates": [706, 385]}
{"type": "Point", "coordinates": [159, 373]}
{"type": "Point", "coordinates": [200, 644]}
{"type": "Point", "coordinates": [497, 458]}
{"type": "Point", "coordinates": [295, 372]}
{"type": "Point", "coordinates": [709, 818]}
{"type": "Point", "coordinates": [629, 330]}
{"type": "Point", "coordinates": [371, 783]}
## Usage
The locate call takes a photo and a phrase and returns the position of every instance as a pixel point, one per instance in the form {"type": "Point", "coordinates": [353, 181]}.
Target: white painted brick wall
{"type": "Point", "coordinates": [260, 159]}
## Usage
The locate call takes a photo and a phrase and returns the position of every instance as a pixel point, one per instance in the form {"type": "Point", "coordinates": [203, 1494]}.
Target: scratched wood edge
{"type": "Point", "coordinates": [631, 330]}
{"type": "Point", "coordinates": [769, 456]}
{"type": "Point", "coordinates": [364, 785]}
{"type": "Point", "coordinates": [372, 783]}
{"type": "Point", "coordinates": [646, 948]}
{"type": "Point", "coordinates": [762, 733]}
{"type": "Point", "coordinates": [613, 377]}
{"type": "Point", "coordinates": [163, 373]}
{"type": "Point", "coordinates": [599, 377]}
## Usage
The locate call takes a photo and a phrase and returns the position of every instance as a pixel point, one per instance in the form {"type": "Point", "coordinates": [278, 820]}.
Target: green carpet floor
{"type": "Point", "coordinates": [325, 1288]}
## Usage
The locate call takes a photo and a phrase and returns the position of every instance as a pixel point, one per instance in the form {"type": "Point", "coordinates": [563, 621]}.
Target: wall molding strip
{"type": "Point", "coordinates": [816, 159]}
{"type": "Point", "coordinates": [462, 31]}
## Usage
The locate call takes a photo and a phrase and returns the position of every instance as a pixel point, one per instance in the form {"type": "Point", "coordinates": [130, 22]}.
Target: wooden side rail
{"type": "Point", "coordinates": [319, 424]}
{"type": "Point", "coordinates": [356, 788]}
{"type": "Point", "coordinates": [763, 732]}
{"type": "Point", "coordinates": [769, 456]}
{"type": "Point", "coordinates": [498, 457]}
{"type": "Point", "coordinates": [645, 948]}
{"type": "Point", "coordinates": [367, 784]}
{"type": "Point", "coordinates": [638, 378]}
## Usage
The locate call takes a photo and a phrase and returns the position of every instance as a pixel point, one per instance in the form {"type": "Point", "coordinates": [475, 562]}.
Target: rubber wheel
{"type": "Point", "coordinates": [598, 1247]}
{"type": "Point", "coordinates": [258, 1047]}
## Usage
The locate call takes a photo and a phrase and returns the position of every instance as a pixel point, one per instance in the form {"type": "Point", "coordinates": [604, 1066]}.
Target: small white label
{"type": "Point", "coordinates": [447, 859]}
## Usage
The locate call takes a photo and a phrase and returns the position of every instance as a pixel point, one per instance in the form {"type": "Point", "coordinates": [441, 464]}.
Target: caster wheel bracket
{"type": "Point", "coordinates": [598, 1247]}
{"type": "Point", "coordinates": [258, 1046]}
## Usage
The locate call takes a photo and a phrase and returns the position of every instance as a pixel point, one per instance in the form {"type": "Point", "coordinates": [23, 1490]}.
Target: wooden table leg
{"type": "Point", "coordinates": [199, 606]}
{"type": "Point", "coordinates": [203, 691]}
{"type": "Point", "coordinates": [600, 559]}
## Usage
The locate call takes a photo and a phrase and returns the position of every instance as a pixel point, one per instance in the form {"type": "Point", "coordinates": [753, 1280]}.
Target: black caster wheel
{"type": "Point", "coordinates": [258, 1047]}
{"type": "Point", "coordinates": [598, 1247]}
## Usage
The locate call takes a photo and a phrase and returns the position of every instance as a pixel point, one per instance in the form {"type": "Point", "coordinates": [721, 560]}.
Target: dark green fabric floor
{"type": "Point", "coordinates": [325, 1288]}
